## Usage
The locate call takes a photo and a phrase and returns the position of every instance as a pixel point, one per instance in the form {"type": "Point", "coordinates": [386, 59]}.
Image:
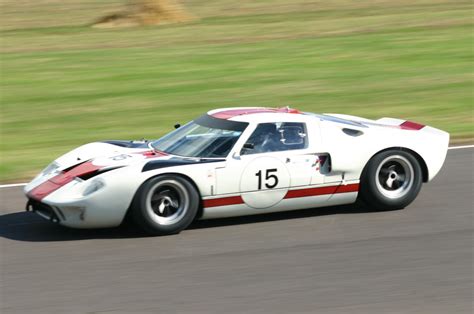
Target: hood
{"type": "Point", "coordinates": [107, 154]}
{"type": "Point", "coordinates": [90, 160]}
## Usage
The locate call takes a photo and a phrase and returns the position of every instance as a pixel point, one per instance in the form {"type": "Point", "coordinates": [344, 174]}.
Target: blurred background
{"type": "Point", "coordinates": [77, 71]}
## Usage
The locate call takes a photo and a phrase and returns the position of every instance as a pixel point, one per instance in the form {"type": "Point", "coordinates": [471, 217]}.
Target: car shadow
{"type": "Point", "coordinates": [26, 226]}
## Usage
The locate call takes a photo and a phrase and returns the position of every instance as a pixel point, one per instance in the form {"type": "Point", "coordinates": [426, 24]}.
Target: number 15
{"type": "Point", "coordinates": [268, 176]}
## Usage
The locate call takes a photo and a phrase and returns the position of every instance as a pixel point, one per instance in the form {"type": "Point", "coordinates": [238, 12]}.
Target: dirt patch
{"type": "Point", "coordinates": [146, 12]}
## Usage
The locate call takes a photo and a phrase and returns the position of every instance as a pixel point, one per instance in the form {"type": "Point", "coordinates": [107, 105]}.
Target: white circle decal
{"type": "Point", "coordinates": [264, 182]}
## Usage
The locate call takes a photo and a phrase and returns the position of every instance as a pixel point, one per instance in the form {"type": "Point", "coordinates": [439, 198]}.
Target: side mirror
{"type": "Point", "coordinates": [177, 126]}
{"type": "Point", "coordinates": [246, 148]}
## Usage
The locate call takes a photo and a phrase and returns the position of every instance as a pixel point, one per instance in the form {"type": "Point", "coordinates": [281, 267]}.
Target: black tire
{"type": "Point", "coordinates": [391, 180]}
{"type": "Point", "coordinates": [165, 205]}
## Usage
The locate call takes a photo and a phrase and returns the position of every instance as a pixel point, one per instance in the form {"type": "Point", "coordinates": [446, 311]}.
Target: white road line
{"type": "Point", "coordinates": [23, 184]}
{"type": "Point", "coordinates": [12, 185]}
{"type": "Point", "coordinates": [461, 147]}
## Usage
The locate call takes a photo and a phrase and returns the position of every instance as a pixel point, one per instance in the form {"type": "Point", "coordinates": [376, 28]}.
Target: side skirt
{"type": "Point", "coordinates": [311, 197]}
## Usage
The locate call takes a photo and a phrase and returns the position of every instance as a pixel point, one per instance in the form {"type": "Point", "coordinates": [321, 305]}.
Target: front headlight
{"type": "Point", "coordinates": [53, 167]}
{"type": "Point", "coordinates": [94, 186]}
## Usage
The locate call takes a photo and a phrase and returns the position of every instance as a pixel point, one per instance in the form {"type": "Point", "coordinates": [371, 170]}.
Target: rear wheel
{"type": "Point", "coordinates": [165, 205]}
{"type": "Point", "coordinates": [391, 180]}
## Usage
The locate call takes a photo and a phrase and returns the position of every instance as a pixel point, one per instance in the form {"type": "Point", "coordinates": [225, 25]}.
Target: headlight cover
{"type": "Point", "coordinates": [94, 186]}
{"type": "Point", "coordinates": [53, 167]}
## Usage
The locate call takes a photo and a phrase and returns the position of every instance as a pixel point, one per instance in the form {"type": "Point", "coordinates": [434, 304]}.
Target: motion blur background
{"type": "Point", "coordinates": [65, 83]}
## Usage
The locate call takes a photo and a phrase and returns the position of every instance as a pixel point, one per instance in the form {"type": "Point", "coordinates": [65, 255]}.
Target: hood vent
{"type": "Point", "coordinates": [90, 175]}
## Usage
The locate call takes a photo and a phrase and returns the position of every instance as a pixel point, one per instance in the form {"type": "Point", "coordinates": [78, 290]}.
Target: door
{"type": "Point", "coordinates": [274, 159]}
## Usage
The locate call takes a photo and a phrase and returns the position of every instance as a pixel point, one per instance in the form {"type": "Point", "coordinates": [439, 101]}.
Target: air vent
{"type": "Point", "coordinates": [90, 175]}
{"type": "Point", "coordinates": [352, 132]}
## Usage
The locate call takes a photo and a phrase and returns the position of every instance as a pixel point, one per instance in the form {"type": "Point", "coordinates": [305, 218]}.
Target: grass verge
{"type": "Point", "coordinates": [65, 84]}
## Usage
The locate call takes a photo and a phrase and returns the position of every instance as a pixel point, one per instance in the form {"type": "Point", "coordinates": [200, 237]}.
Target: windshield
{"type": "Point", "coordinates": [206, 137]}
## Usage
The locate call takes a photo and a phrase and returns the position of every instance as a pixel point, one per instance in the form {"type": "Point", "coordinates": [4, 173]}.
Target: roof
{"type": "Point", "coordinates": [230, 113]}
{"type": "Point", "coordinates": [287, 114]}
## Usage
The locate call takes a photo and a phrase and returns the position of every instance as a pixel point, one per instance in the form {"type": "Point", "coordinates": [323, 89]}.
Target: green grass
{"type": "Point", "coordinates": [65, 84]}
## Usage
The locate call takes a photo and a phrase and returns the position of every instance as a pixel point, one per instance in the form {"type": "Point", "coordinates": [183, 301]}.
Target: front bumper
{"type": "Point", "coordinates": [71, 215]}
{"type": "Point", "coordinates": [70, 206]}
{"type": "Point", "coordinates": [44, 210]}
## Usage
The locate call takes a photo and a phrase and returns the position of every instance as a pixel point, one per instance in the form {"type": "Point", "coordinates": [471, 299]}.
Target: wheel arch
{"type": "Point", "coordinates": [421, 161]}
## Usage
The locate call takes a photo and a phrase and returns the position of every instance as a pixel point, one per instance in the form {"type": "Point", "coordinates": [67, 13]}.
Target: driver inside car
{"type": "Point", "coordinates": [265, 138]}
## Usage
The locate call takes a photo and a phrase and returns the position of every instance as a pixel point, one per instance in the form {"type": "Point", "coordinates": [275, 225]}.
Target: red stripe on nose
{"type": "Point", "coordinates": [55, 183]}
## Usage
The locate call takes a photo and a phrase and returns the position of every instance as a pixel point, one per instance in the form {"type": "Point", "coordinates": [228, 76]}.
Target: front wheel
{"type": "Point", "coordinates": [391, 180]}
{"type": "Point", "coordinates": [165, 205]}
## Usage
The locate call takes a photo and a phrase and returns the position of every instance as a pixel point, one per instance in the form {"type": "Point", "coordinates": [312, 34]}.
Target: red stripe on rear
{"type": "Point", "coordinates": [225, 201]}
{"type": "Point", "coordinates": [325, 190]}
{"type": "Point", "coordinates": [409, 125]}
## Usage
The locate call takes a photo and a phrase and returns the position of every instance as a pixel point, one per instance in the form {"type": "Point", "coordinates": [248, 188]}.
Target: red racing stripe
{"type": "Point", "coordinates": [53, 184]}
{"type": "Point", "coordinates": [225, 201]}
{"type": "Point", "coordinates": [227, 114]}
{"type": "Point", "coordinates": [325, 190]}
{"type": "Point", "coordinates": [43, 190]}
{"type": "Point", "coordinates": [152, 154]}
{"type": "Point", "coordinates": [409, 125]}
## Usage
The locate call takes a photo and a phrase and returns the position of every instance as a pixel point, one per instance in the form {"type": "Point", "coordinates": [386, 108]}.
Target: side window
{"type": "Point", "coordinates": [275, 137]}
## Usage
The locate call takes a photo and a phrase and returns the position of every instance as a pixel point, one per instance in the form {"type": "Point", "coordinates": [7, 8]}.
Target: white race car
{"type": "Point", "coordinates": [239, 161]}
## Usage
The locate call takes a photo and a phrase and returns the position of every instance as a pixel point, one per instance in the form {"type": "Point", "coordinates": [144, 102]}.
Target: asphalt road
{"type": "Point", "coordinates": [331, 260]}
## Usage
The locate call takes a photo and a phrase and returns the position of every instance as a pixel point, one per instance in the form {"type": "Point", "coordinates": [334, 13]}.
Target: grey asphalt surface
{"type": "Point", "coordinates": [330, 260]}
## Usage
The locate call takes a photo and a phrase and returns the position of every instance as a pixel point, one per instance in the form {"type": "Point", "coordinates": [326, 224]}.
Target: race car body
{"type": "Point", "coordinates": [239, 161]}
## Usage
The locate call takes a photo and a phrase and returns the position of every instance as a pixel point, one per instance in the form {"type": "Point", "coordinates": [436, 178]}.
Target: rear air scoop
{"type": "Point", "coordinates": [402, 124]}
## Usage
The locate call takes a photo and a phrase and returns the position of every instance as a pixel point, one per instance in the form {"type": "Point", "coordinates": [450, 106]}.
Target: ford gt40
{"type": "Point", "coordinates": [239, 161]}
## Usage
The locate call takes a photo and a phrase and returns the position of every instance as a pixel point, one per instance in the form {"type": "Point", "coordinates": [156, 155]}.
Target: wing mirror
{"type": "Point", "coordinates": [248, 146]}
{"type": "Point", "coordinates": [177, 126]}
